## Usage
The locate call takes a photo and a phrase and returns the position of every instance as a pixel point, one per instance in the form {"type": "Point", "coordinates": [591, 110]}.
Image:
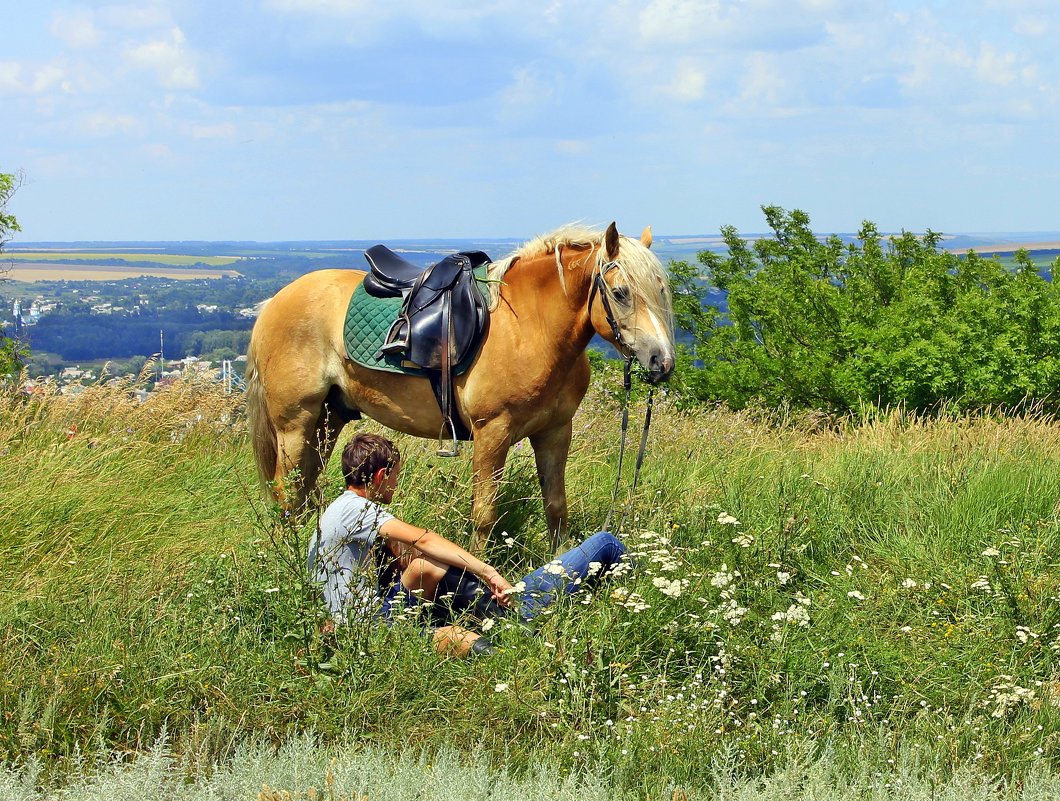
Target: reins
{"type": "Point", "coordinates": [627, 384]}
{"type": "Point", "coordinates": [599, 286]}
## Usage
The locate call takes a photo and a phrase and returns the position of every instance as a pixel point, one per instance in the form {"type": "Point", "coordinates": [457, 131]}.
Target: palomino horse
{"type": "Point", "coordinates": [547, 300]}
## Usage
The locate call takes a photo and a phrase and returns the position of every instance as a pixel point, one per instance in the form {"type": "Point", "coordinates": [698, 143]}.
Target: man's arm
{"type": "Point", "coordinates": [437, 547]}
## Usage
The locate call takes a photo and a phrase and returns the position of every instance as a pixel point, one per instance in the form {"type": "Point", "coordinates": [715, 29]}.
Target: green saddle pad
{"type": "Point", "coordinates": [369, 318]}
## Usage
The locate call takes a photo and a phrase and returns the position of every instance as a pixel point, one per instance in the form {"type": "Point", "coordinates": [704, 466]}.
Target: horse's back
{"type": "Point", "coordinates": [307, 313]}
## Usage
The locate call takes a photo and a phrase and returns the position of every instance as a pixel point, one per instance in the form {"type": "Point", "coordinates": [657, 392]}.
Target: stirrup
{"type": "Point", "coordinates": [452, 447]}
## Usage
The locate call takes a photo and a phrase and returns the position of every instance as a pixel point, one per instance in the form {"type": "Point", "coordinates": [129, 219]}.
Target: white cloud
{"type": "Point", "coordinates": [572, 147]}
{"type": "Point", "coordinates": [342, 8]}
{"type": "Point", "coordinates": [158, 151]}
{"type": "Point", "coordinates": [168, 58]}
{"type": "Point", "coordinates": [688, 84]}
{"type": "Point", "coordinates": [11, 78]}
{"type": "Point", "coordinates": [527, 92]}
{"type": "Point", "coordinates": [103, 124]}
{"type": "Point", "coordinates": [1034, 27]}
{"type": "Point", "coordinates": [14, 79]}
{"type": "Point", "coordinates": [136, 16]}
{"type": "Point", "coordinates": [224, 130]}
{"type": "Point", "coordinates": [764, 83]}
{"type": "Point", "coordinates": [996, 67]}
{"type": "Point", "coordinates": [49, 77]}
{"type": "Point", "coordinates": [76, 28]}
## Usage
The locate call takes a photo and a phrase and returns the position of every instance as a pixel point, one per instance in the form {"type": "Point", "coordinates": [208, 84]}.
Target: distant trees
{"type": "Point", "coordinates": [879, 322]}
{"type": "Point", "coordinates": [10, 352]}
{"type": "Point", "coordinates": [79, 335]}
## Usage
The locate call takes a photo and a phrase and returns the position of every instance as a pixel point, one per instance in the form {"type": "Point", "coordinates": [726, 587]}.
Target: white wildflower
{"type": "Point", "coordinates": [1007, 695]}
{"type": "Point", "coordinates": [1025, 635]}
{"type": "Point", "coordinates": [908, 584]}
{"type": "Point", "coordinates": [982, 584]}
{"type": "Point", "coordinates": [744, 540]}
{"type": "Point", "coordinates": [991, 552]}
{"type": "Point", "coordinates": [733, 613]}
{"type": "Point", "coordinates": [500, 688]}
{"type": "Point", "coordinates": [796, 615]}
{"type": "Point", "coordinates": [723, 578]}
{"type": "Point", "coordinates": [857, 596]}
{"type": "Point", "coordinates": [727, 519]}
{"type": "Point", "coordinates": [629, 600]}
{"type": "Point", "coordinates": [670, 588]}
{"type": "Point", "coordinates": [783, 576]}
{"type": "Point", "coordinates": [554, 567]}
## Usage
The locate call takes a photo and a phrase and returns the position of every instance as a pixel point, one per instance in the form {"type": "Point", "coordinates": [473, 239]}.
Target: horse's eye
{"type": "Point", "coordinates": [621, 294]}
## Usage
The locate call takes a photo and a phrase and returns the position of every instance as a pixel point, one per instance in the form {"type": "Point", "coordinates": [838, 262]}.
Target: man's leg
{"type": "Point", "coordinates": [447, 638]}
{"type": "Point", "coordinates": [583, 565]}
{"type": "Point", "coordinates": [423, 575]}
{"type": "Point", "coordinates": [458, 641]}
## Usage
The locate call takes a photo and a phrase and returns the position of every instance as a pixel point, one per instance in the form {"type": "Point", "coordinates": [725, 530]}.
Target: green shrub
{"type": "Point", "coordinates": [898, 323]}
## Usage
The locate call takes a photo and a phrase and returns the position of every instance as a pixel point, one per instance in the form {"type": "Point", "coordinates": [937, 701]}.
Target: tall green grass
{"type": "Point", "coordinates": [870, 594]}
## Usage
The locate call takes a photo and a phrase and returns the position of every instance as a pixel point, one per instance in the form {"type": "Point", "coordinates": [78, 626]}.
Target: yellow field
{"type": "Point", "coordinates": [86, 272]}
{"type": "Point", "coordinates": [159, 258]}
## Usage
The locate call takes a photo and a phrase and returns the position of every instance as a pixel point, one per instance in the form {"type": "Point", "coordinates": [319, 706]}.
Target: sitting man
{"type": "Point", "coordinates": [370, 563]}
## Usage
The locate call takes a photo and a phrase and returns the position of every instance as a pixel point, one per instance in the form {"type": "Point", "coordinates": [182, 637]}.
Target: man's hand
{"type": "Point", "coordinates": [499, 587]}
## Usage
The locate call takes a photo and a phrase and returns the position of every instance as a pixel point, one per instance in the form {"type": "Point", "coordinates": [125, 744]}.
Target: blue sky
{"type": "Point", "coordinates": [361, 119]}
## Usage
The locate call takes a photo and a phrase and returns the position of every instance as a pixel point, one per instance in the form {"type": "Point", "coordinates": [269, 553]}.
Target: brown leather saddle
{"type": "Point", "coordinates": [440, 325]}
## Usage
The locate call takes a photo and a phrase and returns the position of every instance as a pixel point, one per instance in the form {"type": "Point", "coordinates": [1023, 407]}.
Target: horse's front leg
{"type": "Point", "coordinates": [551, 448]}
{"type": "Point", "coordinates": [491, 450]}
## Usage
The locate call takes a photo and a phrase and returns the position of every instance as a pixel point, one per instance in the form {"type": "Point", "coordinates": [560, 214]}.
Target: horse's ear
{"type": "Point", "coordinates": [611, 242]}
{"type": "Point", "coordinates": [645, 237]}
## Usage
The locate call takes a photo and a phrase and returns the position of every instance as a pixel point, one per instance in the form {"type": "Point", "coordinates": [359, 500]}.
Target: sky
{"type": "Point", "coordinates": [276, 120]}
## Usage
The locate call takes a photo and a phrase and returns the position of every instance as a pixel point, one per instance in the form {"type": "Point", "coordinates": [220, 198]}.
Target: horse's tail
{"type": "Point", "coordinates": [262, 432]}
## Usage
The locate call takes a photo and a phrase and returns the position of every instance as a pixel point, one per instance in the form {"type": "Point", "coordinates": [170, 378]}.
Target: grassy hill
{"type": "Point", "coordinates": [883, 599]}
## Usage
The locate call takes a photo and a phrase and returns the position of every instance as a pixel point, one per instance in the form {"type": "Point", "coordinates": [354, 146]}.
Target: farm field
{"type": "Point", "coordinates": [819, 609]}
{"type": "Point", "coordinates": [157, 258]}
{"type": "Point", "coordinates": [58, 271]}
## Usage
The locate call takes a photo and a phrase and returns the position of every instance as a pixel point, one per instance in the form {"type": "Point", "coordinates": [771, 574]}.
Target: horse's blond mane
{"type": "Point", "coordinates": [636, 264]}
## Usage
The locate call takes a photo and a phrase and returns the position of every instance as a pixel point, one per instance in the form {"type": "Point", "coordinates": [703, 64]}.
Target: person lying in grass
{"type": "Point", "coordinates": [370, 564]}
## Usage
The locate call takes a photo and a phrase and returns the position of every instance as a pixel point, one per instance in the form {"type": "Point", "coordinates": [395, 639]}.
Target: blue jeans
{"type": "Point", "coordinates": [584, 565]}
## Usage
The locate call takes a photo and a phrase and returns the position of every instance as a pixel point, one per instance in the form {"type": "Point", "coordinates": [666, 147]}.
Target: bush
{"type": "Point", "coordinates": [878, 322]}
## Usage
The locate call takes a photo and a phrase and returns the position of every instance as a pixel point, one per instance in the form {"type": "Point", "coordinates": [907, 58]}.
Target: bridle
{"type": "Point", "coordinates": [599, 286]}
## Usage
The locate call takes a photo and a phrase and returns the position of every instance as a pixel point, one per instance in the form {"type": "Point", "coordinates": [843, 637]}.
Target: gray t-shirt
{"type": "Point", "coordinates": [340, 556]}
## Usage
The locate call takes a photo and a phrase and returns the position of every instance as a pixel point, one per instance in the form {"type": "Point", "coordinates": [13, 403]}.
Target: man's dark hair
{"type": "Point", "coordinates": [364, 455]}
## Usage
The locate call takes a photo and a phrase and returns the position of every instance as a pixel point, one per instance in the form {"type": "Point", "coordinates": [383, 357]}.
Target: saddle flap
{"type": "Point", "coordinates": [445, 312]}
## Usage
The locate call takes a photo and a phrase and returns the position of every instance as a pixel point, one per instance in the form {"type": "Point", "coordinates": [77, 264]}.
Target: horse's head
{"type": "Point", "coordinates": [630, 304]}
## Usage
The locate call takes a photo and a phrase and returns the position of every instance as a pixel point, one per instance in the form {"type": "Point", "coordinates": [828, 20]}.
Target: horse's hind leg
{"type": "Point", "coordinates": [305, 442]}
{"type": "Point", "coordinates": [551, 448]}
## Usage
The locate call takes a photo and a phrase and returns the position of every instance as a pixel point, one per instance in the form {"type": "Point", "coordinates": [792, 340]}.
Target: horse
{"type": "Point", "coordinates": [546, 301]}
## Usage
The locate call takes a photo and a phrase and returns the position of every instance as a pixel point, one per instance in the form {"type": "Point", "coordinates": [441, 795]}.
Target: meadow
{"type": "Point", "coordinates": [818, 608]}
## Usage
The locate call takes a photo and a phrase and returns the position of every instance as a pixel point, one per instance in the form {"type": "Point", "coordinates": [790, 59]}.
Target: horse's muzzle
{"type": "Point", "coordinates": [660, 366]}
